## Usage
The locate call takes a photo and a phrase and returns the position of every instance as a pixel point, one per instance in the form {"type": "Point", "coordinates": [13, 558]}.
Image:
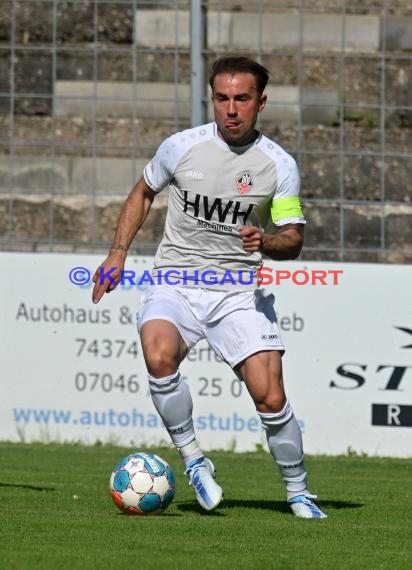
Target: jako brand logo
{"type": "Point", "coordinates": [194, 174]}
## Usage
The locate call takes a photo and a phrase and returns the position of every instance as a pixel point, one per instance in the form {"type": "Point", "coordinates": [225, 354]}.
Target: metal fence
{"type": "Point", "coordinates": [88, 89]}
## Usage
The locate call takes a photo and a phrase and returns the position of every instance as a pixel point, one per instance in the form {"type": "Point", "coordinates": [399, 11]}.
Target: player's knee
{"type": "Point", "coordinates": [160, 364]}
{"type": "Point", "coordinates": [271, 403]}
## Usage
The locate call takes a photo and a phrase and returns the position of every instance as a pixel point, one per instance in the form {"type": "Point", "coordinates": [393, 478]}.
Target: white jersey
{"type": "Point", "coordinates": [213, 191]}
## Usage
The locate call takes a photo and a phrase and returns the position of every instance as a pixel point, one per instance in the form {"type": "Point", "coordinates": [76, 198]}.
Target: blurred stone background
{"type": "Point", "coordinates": [89, 89]}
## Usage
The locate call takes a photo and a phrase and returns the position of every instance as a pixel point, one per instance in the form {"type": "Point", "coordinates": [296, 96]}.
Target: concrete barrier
{"type": "Point", "coordinates": [121, 99]}
{"type": "Point", "coordinates": [397, 33]}
{"type": "Point", "coordinates": [33, 174]}
{"type": "Point", "coordinates": [165, 28]}
{"type": "Point", "coordinates": [240, 30]}
{"type": "Point", "coordinates": [322, 31]}
{"type": "Point", "coordinates": [157, 101]}
{"type": "Point", "coordinates": [69, 175]}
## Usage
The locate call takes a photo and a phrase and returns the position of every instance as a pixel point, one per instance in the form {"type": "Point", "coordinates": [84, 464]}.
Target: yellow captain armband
{"type": "Point", "coordinates": [288, 207]}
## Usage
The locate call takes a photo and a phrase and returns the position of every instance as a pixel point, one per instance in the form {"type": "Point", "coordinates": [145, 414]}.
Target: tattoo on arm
{"type": "Point", "coordinates": [285, 243]}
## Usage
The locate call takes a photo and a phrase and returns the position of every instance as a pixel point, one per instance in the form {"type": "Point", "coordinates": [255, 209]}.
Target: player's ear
{"type": "Point", "coordinates": [262, 102]}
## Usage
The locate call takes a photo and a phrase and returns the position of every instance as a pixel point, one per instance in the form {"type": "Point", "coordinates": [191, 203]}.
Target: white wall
{"type": "Point", "coordinates": [72, 370]}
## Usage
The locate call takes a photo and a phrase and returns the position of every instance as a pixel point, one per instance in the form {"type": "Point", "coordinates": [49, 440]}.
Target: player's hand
{"type": "Point", "coordinates": [251, 237]}
{"type": "Point", "coordinates": [108, 275]}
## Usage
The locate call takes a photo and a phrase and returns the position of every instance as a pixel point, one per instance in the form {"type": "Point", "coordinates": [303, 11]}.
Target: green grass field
{"type": "Point", "coordinates": [368, 502]}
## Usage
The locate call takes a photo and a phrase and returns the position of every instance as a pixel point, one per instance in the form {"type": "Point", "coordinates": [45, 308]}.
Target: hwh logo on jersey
{"type": "Point", "coordinates": [226, 212]}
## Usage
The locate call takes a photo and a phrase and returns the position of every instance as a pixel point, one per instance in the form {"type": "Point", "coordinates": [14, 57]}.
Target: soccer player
{"type": "Point", "coordinates": [225, 179]}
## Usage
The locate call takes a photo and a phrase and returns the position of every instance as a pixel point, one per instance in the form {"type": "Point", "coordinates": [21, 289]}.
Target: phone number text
{"type": "Point", "coordinates": [131, 383]}
{"type": "Point", "coordinates": [106, 348]}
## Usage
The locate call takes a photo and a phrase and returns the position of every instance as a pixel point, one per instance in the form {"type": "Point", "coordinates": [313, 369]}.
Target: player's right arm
{"type": "Point", "coordinates": [132, 215]}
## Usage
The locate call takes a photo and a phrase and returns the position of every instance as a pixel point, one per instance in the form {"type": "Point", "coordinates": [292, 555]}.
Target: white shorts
{"type": "Point", "coordinates": [235, 324]}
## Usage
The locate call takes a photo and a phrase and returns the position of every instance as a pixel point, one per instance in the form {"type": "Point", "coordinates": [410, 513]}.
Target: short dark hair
{"type": "Point", "coordinates": [233, 64]}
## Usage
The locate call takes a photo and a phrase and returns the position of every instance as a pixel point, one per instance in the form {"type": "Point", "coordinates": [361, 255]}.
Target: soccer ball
{"type": "Point", "coordinates": [142, 484]}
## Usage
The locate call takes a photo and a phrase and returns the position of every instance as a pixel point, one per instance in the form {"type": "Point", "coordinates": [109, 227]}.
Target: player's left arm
{"type": "Point", "coordinates": [285, 243]}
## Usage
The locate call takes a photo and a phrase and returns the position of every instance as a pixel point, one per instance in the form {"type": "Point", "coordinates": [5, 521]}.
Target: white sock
{"type": "Point", "coordinates": [285, 444]}
{"type": "Point", "coordinates": [173, 402]}
{"type": "Point", "coordinates": [190, 452]}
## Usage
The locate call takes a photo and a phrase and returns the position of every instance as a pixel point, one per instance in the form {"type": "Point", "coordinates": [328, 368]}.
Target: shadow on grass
{"type": "Point", "coordinates": [164, 514]}
{"type": "Point", "coordinates": [275, 506]}
{"type": "Point", "coordinates": [23, 486]}
{"type": "Point", "coordinates": [196, 508]}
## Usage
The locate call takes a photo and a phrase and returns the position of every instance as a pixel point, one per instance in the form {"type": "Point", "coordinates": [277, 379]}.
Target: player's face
{"type": "Point", "coordinates": [236, 104]}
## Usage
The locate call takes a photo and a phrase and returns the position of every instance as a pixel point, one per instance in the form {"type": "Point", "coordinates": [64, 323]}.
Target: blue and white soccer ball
{"type": "Point", "coordinates": [142, 483]}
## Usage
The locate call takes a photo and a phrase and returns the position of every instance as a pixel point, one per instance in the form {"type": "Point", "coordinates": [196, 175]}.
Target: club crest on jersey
{"type": "Point", "coordinates": [244, 183]}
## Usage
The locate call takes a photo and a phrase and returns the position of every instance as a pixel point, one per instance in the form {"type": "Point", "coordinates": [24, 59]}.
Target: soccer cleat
{"type": "Point", "coordinates": [201, 473]}
{"type": "Point", "coordinates": [304, 507]}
